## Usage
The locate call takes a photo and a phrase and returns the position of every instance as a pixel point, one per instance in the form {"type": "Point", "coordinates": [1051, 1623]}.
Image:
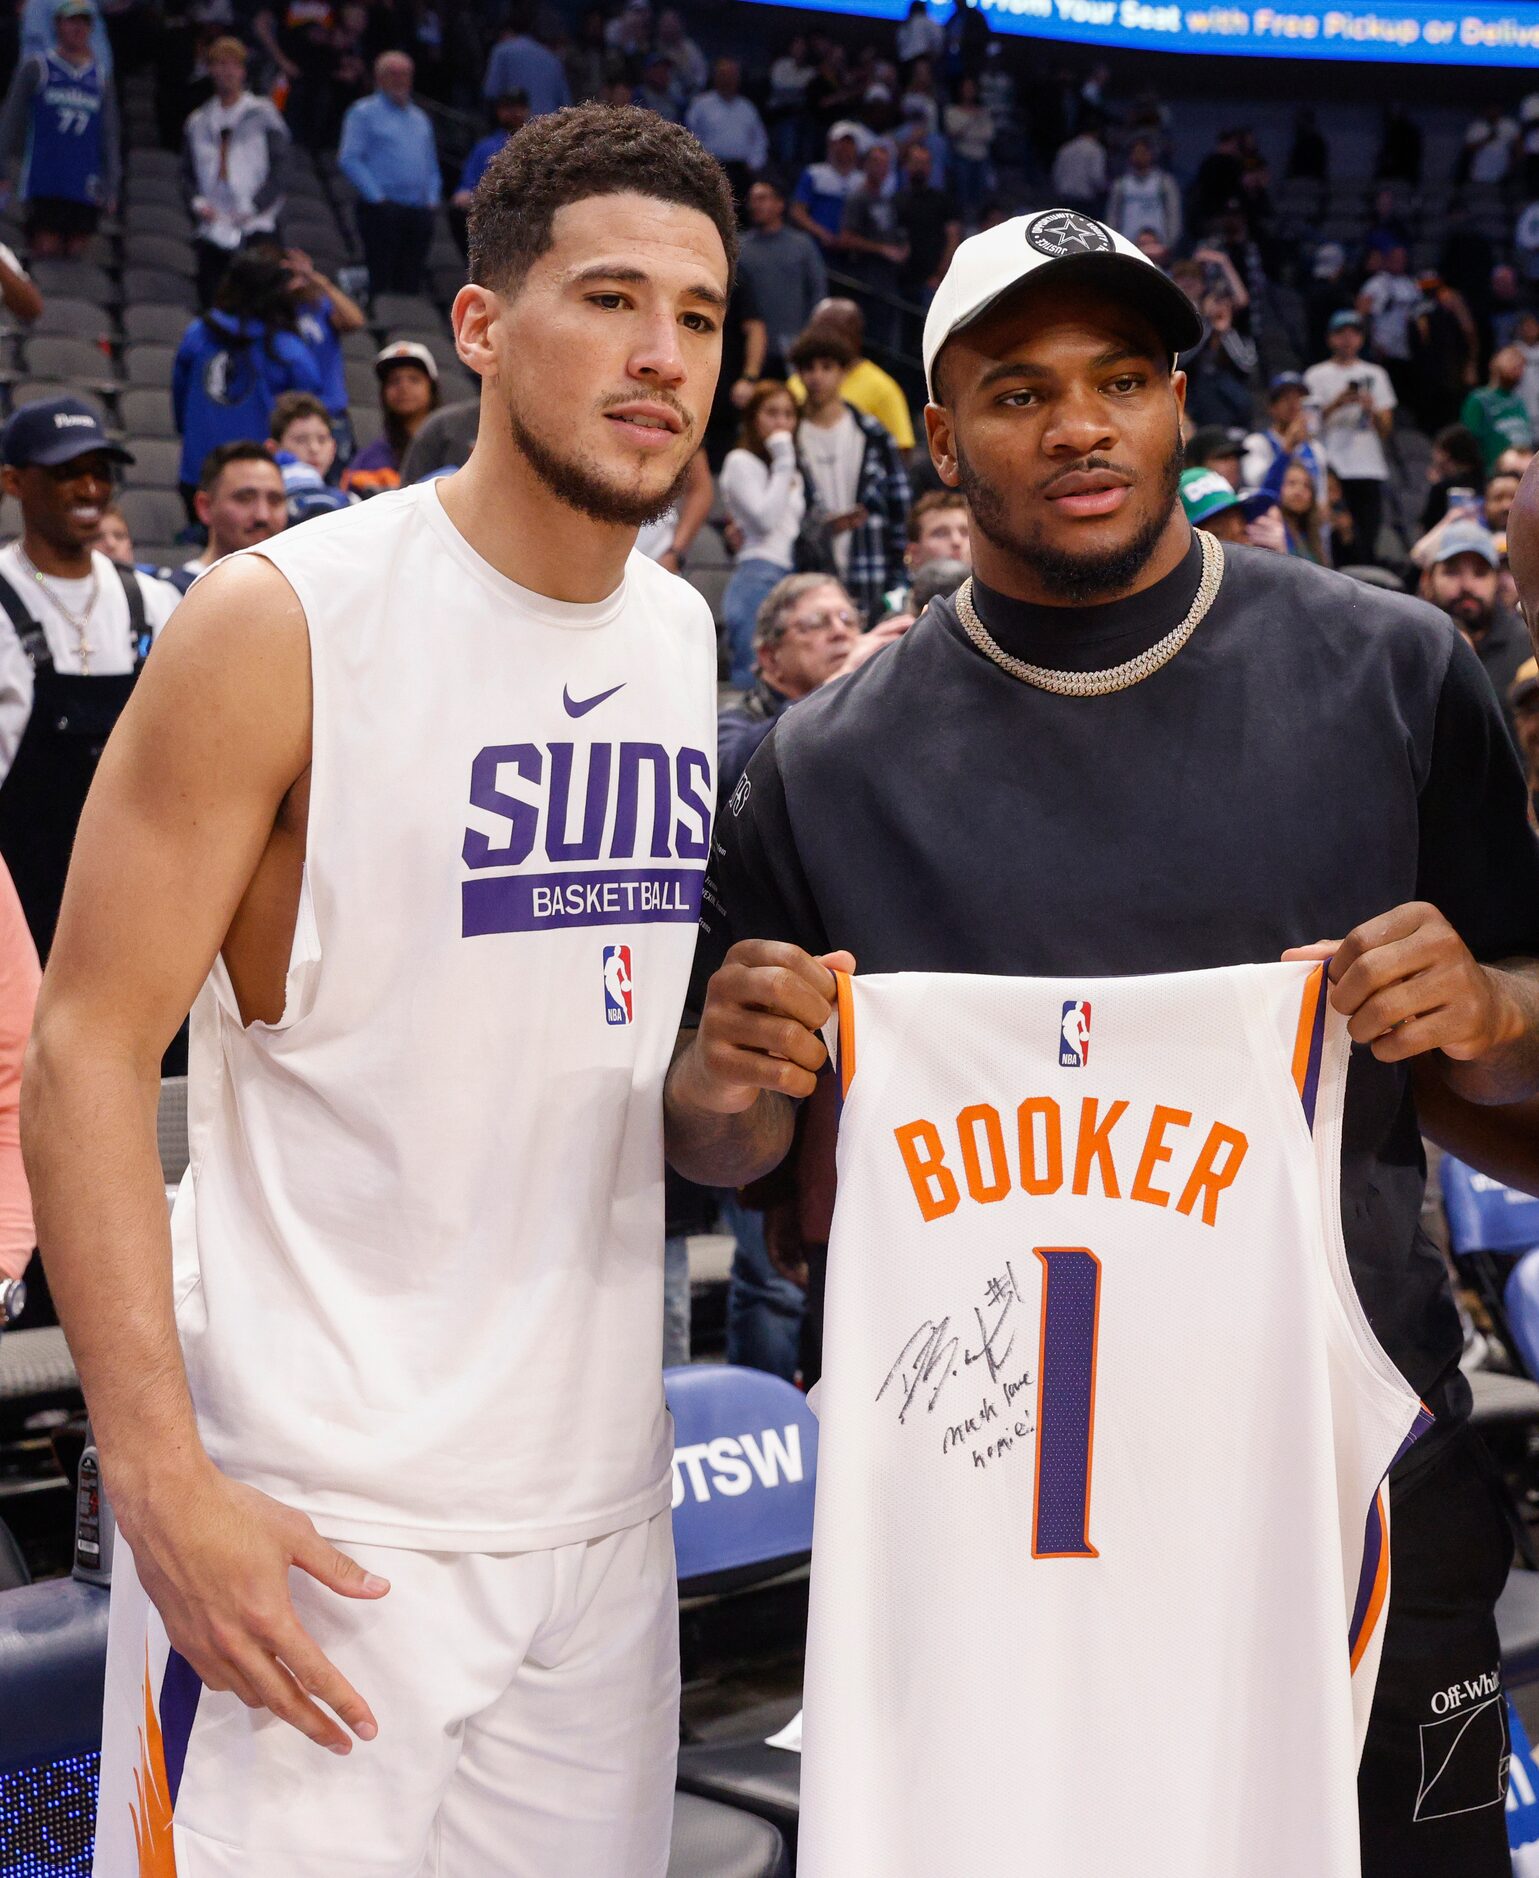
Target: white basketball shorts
{"type": "Point", "coordinates": [528, 1727]}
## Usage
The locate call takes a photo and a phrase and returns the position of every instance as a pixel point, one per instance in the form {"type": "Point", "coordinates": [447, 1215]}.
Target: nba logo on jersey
{"type": "Point", "coordinates": [617, 985]}
{"type": "Point", "coordinates": [1074, 1035]}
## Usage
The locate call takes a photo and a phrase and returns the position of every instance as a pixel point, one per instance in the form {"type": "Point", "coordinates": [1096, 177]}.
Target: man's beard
{"type": "Point", "coordinates": [583, 489]}
{"type": "Point", "coordinates": [1075, 579]}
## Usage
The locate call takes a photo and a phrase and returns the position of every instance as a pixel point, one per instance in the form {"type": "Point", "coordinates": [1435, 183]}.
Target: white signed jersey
{"type": "Point", "coordinates": [1101, 1558]}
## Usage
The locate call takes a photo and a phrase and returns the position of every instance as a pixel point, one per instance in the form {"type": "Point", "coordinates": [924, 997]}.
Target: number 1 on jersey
{"type": "Point", "coordinates": [1066, 1360]}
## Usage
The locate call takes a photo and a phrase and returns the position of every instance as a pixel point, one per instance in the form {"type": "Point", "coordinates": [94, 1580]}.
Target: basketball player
{"type": "Point", "coordinates": [1098, 761]}
{"type": "Point", "coordinates": [382, 1417]}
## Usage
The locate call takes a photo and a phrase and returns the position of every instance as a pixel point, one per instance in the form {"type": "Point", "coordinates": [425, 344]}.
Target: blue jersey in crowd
{"type": "Point", "coordinates": [480, 156]}
{"type": "Point", "coordinates": [318, 330]}
{"type": "Point", "coordinates": [227, 376]}
{"type": "Point", "coordinates": [64, 147]}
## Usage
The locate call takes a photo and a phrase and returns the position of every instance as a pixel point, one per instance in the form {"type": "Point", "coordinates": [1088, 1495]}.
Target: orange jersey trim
{"type": "Point", "coordinates": [846, 1005]}
{"type": "Point", "coordinates": [1380, 1592]}
{"type": "Point", "coordinates": [1309, 1006]}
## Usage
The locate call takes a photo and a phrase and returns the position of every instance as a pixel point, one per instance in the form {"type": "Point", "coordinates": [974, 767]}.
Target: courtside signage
{"type": "Point", "coordinates": [1478, 34]}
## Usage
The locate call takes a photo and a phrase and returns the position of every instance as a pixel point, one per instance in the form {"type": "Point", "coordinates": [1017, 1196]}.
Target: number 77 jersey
{"type": "Point", "coordinates": [1101, 1551]}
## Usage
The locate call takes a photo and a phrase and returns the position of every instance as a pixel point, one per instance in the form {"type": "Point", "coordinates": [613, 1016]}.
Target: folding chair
{"type": "Point", "coordinates": [745, 1465]}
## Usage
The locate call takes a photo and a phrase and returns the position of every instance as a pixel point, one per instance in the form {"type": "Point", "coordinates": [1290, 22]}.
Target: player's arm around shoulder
{"type": "Point", "coordinates": [189, 793]}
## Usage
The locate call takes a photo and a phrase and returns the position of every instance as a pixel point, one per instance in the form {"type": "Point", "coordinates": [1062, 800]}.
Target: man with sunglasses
{"type": "Point", "coordinates": [75, 633]}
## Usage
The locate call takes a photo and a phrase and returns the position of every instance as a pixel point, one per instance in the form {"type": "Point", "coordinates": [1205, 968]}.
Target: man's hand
{"type": "Point", "coordinates": [758, 1031]}
{"type": "Point", "coordinates": [1408, 984]}
{"type": "Point", "coordinates": [741, 392]}
{"type": "Point", "coordinates": [215, 1564]}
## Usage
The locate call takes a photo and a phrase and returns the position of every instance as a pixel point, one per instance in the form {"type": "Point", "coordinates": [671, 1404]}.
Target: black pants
{"type": "Point", "coordinates": [1432, 1782]}
{"type": "Point", "coordinates": [1364, 496]}
{"type": "Point", "coordinates": [396, 240]}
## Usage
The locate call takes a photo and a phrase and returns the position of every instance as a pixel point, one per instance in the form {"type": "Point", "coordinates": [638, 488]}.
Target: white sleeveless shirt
{"type": "Point", "coordinates": [418, 1250]}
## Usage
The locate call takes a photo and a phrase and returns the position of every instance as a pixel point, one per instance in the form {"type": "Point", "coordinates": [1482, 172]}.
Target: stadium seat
{"type": "Point", "coordinates": [154, 325]}
{"type": "Point", "coordinates": [1520, 1296]}
{"type": "Point", "coordinates": [155, 286]}
{"type": "Point", "coordinates": [368, 424]}
{"type": "Point", "coordinates": [148, 365]}
{"type": "Point", "coordinates": [154, 514]}
{"type": "Point", "coordinates": [155, 218]}
{"type": "Point", "coordinates": [360, 344]}
{"type": "Point", "coordinates": [53, 1654]}
{"type": "Point", "coordinates": [713, 1841]}
{"type": "Point", "coordinates": [37, 1373]}
{"type": "Point", "coordinates": [147, 414]}
{"type": "Point", "coordinates": [140, 191]}
{"type": "Point", "coordinates": [1487, 1223]}
{"type": "Point", "coordinates": [170, 252]}
{"type": "Point", "coordinates": [48, 355]}
{"type": "Point", "coordinates": [745, 1467]}
{"type": "Point", "coordinates": [73, 319]}
{"type": "Point", "coordinates": [362, 384]}
{"type": "Point", "coordinates": [1517, 1624]}
{"type": "Point", "coordinates": [154, 162]}
{"type": "Point", "coordinates": [157, 462]}
{"type": "Point", "coordinates": [79, 280]}
{"type": "Point", "coordinates": [405, 309]}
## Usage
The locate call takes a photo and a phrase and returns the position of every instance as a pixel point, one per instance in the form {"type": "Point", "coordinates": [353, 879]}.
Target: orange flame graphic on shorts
{"type": "Point", "coordinates": [152, 1809]}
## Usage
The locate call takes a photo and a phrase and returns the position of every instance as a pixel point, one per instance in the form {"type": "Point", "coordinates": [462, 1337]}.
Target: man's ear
{"type": "Point", "coordinates": [941, 437]}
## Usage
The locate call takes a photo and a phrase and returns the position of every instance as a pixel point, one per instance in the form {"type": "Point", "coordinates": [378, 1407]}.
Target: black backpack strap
{"type": "Point", "coordinates": [138, 627]}
{"type": "Point", "coordinates": [34, 641]}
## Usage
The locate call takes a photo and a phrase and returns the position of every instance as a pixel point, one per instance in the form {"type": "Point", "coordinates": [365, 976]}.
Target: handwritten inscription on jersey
{"type": "Point", "coordinates": [1121, 1150]}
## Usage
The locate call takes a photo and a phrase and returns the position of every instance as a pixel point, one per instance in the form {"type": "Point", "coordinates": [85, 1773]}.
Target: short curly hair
{"type": "Point", "coordinates": [587, 150]}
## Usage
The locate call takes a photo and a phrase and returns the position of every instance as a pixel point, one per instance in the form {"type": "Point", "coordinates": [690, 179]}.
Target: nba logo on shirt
{"type": "Point", "coordinates": [617, 985]}
{"type": "Point", "coordinates": [1074, 1035]}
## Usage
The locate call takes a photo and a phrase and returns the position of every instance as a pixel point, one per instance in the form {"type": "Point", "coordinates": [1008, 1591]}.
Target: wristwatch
{"type": "Point", "coordinates": [13, 1300]}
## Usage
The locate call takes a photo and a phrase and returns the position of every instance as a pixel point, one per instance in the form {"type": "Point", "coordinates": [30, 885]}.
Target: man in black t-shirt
{"type": "Point", "coordinates": [1318, 761]}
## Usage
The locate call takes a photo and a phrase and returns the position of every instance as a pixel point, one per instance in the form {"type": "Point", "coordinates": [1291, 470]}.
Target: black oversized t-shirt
{"type": "Point", "coordinates": [1318, 752]}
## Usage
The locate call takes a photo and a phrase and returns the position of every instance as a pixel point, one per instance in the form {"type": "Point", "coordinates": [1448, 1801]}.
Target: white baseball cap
{"type": "Point", "coordinates": [1053, 242]}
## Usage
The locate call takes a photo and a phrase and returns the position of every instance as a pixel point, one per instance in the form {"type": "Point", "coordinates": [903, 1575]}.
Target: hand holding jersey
{"type": "Point", "coordinates": [1409, 984]}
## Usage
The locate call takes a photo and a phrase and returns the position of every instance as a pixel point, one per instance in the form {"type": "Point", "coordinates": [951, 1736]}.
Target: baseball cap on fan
{"type": "Point", "coordinates": [1054, 244]}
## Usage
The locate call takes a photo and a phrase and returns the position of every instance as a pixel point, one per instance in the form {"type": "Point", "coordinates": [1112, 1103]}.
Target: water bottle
{"type": "Point", "coordinates": [95, 1527]}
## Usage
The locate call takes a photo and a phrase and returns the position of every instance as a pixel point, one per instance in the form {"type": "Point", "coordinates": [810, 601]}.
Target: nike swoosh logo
{"type": "Point", "coordinates": [580, 707]}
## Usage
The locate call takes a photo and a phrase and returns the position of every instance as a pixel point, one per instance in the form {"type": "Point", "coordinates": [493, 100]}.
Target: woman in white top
{"type": "Point", "coordinates": [762, 488]}
{"type": "Point", "coordinates": [970, 128]}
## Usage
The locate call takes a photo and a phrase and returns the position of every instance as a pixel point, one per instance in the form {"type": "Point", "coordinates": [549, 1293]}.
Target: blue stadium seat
{"type": "Point", "coordinates": [53, 1651]}
{"type": "Point", "coordinates": [1485, 1216]}
{"type": "Point", "coordinates": [744, 1471]}
{"type": "Point", "coordinates": [745, 1461]}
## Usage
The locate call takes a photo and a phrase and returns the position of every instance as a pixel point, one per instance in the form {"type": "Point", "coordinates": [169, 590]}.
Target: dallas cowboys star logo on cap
{"type": "Point", "coordinates": [1066, 231]}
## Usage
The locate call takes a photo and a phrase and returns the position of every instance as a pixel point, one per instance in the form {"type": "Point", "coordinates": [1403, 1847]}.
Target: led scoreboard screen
{"type": "Point", "coordinates": [1475, 34]}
